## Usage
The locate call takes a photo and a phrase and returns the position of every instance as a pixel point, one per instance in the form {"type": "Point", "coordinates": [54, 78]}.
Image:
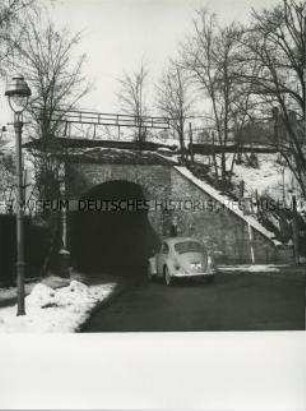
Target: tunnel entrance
{"type": "Point", "coordinates": [111, 232]}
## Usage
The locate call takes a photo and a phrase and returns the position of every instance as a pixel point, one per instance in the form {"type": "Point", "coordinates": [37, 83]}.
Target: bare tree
{"type": "Point", "coordinates": [132, 97]}
{"type": "Point", "coordinates": [46, 56]}
{"type": "Point", "coordinates": [275, 48]}
{"type": "Point", "coordinates": [210, 56]}
{"type": "Point", "coordinates": [174, 100]}
{"type": "Point", "coordinates": [11, 13]}
{"type": "Point", "coordinates": [7, 181]}
{"type": "Point", "coordinates": [48, 59]}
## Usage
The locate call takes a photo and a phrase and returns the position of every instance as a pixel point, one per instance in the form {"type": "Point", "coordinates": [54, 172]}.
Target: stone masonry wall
{"type": "Point", "coordinates": [155, 181]}
{"type": "Point", "coordinates": [217, 226]}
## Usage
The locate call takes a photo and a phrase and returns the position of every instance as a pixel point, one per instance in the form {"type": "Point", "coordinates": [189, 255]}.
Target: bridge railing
{"type": "Point", "coordinates": [111, 119]}
{"type": "Point", "coordinates": [91, 125]}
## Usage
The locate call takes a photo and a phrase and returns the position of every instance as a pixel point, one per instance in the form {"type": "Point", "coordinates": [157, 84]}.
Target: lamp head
{"type": "Point", "coordinates": [18, 93]}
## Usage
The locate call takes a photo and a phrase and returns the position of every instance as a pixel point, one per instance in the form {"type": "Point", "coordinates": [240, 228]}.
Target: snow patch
{"type": "Point", "coordinates": [60, 311]}
{"type": "Point", "coordinates": [40, 296]}
{"type": "Point", "coordinates": [258, 268]}
{"type": "Point", "coordinates": [9, 293]}
{"type": "Point", "coordinates": [270, 178]}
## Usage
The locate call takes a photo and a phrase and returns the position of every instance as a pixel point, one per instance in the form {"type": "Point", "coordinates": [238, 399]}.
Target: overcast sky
{"type": "Point", "coordinates": [119, 33]}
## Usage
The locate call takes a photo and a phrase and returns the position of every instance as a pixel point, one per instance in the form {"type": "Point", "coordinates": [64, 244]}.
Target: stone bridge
{"type": "Point", "coordinates": [128, 202]}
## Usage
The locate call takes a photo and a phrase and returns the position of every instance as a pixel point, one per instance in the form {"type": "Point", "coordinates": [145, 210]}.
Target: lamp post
{"type": "Point", "coordinates": [18, 93]}
{"type": "Point", "coordinates": [304, 91]}
{"type": "Point", "coordinates": [304, 63]}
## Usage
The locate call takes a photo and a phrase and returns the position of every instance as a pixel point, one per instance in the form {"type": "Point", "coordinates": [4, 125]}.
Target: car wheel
{"type": "Point", "coordinates": [167, 277]}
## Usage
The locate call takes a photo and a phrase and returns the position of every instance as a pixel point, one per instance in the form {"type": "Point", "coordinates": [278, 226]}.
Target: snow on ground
{"type": "Point", "coordinates": [11, 292]}
{"type": "Point", "coordinates": [62, 310]}
{"type": "Point", "coordinates": [270, 178]}
{"type": "Point", "coordinates": [258, 268]}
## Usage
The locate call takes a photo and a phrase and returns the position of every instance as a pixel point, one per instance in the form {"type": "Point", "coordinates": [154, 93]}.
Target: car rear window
{"type": "Point", "coordinates": [188, 247]}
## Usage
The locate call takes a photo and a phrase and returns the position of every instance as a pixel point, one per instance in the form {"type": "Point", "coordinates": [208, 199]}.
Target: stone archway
{"type": "Point", "coordinates": [112, 232]}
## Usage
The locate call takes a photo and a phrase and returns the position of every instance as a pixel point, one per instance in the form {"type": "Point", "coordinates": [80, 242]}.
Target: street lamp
{"type": "Point", "coordinates": [18, 93]}
{"type": "Point", "coordinates": [304, 63]}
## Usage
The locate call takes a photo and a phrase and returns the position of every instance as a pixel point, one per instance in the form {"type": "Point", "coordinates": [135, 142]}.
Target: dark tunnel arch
{"type": "Point", "coordinates": [111, 231]}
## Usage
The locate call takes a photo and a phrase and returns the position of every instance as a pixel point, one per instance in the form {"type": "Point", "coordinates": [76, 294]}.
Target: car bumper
{"type": "Point", "coordinates": [181, 274]}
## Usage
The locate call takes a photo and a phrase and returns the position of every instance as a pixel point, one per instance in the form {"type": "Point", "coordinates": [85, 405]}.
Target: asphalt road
{"type": "Point", "coordinates": [241, 302]}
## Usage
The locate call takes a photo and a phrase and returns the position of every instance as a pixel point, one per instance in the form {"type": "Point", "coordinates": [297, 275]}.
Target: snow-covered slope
{"type": "Point", "coordinates": [270, 178]}
{"type": "Point", "coordinates": [228, 203]}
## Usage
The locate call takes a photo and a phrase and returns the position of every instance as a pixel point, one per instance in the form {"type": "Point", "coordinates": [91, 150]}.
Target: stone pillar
{"type": "Point", "coordinates": [251, 242]}
{"type": "Point", "coordinates": [64, 254]}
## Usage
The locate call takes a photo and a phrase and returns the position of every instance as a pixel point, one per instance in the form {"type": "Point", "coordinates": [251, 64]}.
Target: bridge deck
{"type": "Point", "coordinates": [63, 142]}
{"type": "Point", "coordinates": [122, 157]}
{"type": "Point", "coordinates": [83, 143]}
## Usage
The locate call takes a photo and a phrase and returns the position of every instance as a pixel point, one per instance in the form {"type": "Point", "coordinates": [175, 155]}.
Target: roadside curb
{"type": "Point", "coordinates": [289, 273]}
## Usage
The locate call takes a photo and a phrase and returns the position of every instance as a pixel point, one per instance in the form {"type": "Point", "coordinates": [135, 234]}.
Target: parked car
{"type": "Point", "coordinates": [181, 257]}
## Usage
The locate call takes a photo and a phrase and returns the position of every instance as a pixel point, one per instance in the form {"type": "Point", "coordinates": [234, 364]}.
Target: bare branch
{"type": "Point", "coordinates": [132, 96]}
